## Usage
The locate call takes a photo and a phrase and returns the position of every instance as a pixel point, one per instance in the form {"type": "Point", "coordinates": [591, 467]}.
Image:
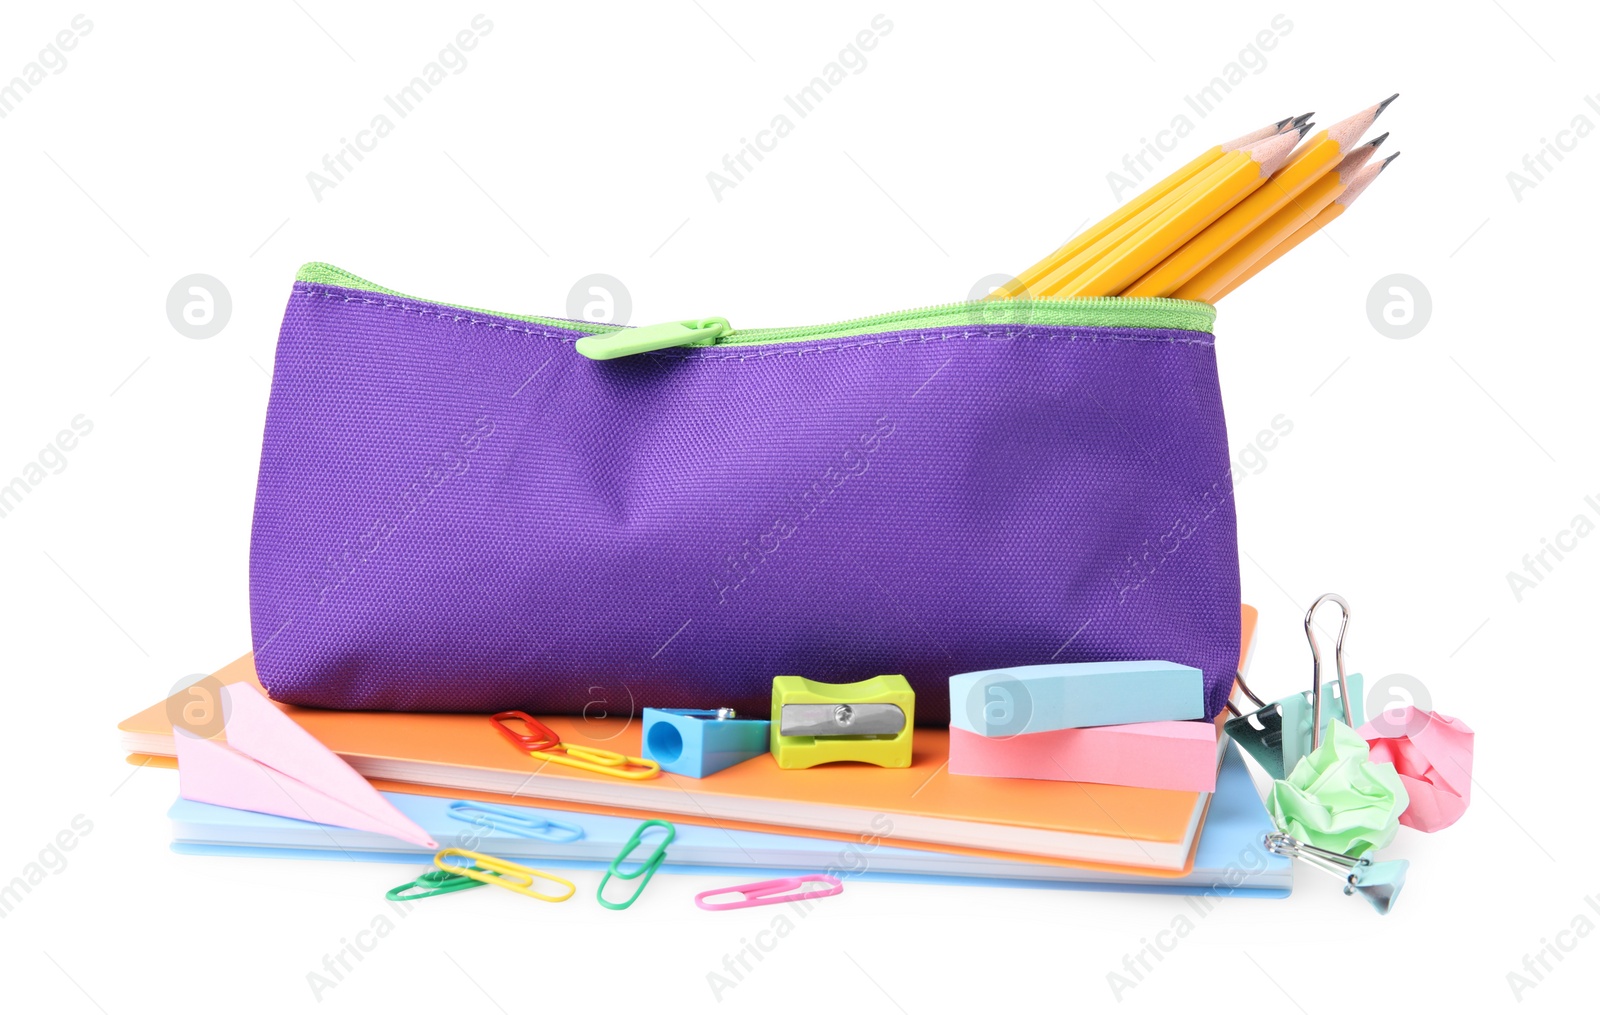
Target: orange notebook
{"type": "Point", "coordinates": [1143, 830]}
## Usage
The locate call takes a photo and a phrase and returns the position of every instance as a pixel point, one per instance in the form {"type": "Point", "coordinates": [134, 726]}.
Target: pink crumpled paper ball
{"type": "Point", "coordinates": [1433, 755]}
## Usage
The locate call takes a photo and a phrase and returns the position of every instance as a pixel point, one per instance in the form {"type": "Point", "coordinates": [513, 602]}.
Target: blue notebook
{"type": "Point", "coordinates": [1230, 859]}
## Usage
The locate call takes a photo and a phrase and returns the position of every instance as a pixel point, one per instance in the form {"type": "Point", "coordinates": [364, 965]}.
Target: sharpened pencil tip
{"type": "Point", "coordinates": [1305, 128]}
{"type": "Point", "coordinates": [1303, 118]}
{"type": "Point", "coordinates": [1375, 142]}
{"type": "Point", "coordinates": [1284, 122]}
{"type": "Point", "coordinates": [1385, 105]}
{"type": "Point", "coordinates": [1390, 159]}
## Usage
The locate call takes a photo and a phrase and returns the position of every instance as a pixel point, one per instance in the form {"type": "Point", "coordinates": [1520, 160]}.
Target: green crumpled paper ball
{"type": "Point", "coordinates": [1339, 799]}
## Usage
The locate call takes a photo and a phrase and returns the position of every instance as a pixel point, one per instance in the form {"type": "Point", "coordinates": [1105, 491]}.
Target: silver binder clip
{"type": "Point", "coordinates": [1243, 688]}
{"type": "Point", "coordinates": [1338, 661]}
{"type": "Point", "coordinates": [1378, 882]}
{"type": "Point", "coordinates": [1279, 734]}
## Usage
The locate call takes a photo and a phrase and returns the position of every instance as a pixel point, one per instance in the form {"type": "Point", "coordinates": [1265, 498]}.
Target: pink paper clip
{"type": "Point", "coordinates": [767, 893]}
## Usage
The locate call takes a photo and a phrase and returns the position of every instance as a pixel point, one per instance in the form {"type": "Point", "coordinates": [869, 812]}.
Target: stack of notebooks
{"type": "Point", "coordinates": [457, 778]}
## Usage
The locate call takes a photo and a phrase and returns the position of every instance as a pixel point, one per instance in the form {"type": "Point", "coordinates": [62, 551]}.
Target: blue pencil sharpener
{"type": "Point", "coordinates": [697, 741]}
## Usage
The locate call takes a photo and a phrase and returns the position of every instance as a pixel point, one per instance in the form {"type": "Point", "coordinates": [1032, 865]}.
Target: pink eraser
{"type": "Point", "coordinates": [1170, 754]}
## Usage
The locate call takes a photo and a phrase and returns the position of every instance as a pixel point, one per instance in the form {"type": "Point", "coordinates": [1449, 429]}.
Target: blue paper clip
{"type": "Point", "coordinates": [647, 866]}
{"type": "Point", "coordinates": [524, 824]}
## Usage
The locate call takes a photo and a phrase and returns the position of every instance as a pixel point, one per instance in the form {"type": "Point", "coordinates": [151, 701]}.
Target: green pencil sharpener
{"type": "Point", "coordinates": [815, 723]}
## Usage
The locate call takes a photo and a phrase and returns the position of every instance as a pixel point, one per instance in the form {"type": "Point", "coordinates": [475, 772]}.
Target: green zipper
{"type": "Point", "coordinates": [607, 341]}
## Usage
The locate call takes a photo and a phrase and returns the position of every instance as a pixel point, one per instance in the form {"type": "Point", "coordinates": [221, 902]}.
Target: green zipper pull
{"type": "Point", "coordinates": [671, 335]}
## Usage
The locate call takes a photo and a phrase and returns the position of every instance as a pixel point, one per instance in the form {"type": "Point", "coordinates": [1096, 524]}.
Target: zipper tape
{"type": "Point", "coordinates": [608, 341]}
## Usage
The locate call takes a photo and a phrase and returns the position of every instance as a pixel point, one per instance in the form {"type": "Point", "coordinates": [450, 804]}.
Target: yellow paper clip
{"type": "Point", "coordinates": [541, 742]}
{"type": "Point", "coordinates": [492, 870]}
{"type": "Point", "coordinates": [598, 759]}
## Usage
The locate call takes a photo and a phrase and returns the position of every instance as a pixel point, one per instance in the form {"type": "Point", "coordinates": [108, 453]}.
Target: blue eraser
{"type": "Point", "coordinates": [1061, 696]}
{"type": "Point", "coordinates": [698, 741]}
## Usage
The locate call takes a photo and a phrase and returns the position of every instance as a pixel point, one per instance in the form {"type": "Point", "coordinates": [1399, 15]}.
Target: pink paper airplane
{"type": "Point", "coordinates": [271, 765]}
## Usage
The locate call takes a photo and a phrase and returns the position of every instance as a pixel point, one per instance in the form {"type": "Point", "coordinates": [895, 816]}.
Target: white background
{"type": "Point", "coordinates": [577, 140]}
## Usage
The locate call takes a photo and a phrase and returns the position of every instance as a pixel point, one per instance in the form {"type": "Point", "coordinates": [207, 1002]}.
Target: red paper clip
{"type": "Point", "coordinates": [767, 893]}
{"type": "Point", "coordinates": [538, 738]}
{"type": "Point", "coordinates": [541, 742]}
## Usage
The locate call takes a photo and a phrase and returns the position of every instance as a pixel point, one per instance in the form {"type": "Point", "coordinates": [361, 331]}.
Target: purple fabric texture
{"type": "Point", "coordinates": [458, 512]}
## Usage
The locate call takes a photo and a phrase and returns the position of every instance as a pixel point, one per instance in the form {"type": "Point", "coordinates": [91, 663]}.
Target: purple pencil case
{"type": "Point", "coordinates": [466, 511]}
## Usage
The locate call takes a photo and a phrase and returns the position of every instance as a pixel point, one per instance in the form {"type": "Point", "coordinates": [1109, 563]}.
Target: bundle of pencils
{"type": "Point", "coordinates": [1212, 225]}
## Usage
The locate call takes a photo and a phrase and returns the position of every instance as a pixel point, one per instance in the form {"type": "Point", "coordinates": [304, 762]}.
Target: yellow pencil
{"type": "Point", "coordinates": [1318, 155]}
{"type": "Point", "coordinates": [1069, 269]}
{"type": "Point", "coordinates": [1362, 181]}
{"type": "Point", "coordinates": [1135, 209]}
{"type": "Point", "coordinates": [1209, 281]}
{"type": "Point", "coordinates": [1209, 198]}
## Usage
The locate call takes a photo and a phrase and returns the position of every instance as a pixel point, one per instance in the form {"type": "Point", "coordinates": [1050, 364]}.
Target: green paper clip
{"type": "Point", "coordinates": [647, 867]}
{"type": "Point", "coordinates": [1278, 735]}
{"type": "Point", "coordinates": [434, 882]}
